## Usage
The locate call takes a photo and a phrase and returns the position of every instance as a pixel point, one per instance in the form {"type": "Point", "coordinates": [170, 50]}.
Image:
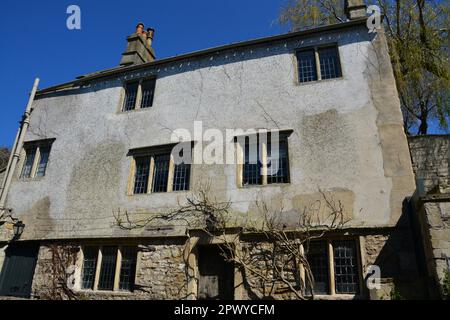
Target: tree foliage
{"type": "Point", "coordinates": [418, 41]}
{"type": "Point", "coordinates": [4, 157]}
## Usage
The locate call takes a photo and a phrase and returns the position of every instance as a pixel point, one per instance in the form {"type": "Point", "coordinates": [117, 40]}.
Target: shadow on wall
{"type": "Point", "coordinates": [401, 258]}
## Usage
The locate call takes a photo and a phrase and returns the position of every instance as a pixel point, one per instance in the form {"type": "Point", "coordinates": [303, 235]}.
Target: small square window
{"type": "Point", "coordinates": [326, 57]}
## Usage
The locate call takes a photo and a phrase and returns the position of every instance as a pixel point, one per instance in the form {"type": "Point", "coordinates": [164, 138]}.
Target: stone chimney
{"type": "Point", "coordinates": [355, 9]}
{"type": "Point", "coordinates": [139, 49]}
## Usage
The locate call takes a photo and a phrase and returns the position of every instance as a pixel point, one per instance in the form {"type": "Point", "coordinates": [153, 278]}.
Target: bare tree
{"type": "Point", "coordinates": [58, 273]}
{"type": "Point", "coordinates": [270, 253]}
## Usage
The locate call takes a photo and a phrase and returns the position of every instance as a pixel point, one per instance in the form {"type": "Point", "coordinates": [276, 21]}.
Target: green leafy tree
{"type": "Point", "coordinates": [418, 41]}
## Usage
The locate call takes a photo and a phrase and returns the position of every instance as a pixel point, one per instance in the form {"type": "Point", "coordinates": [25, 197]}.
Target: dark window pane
{"type": "Point", "coordinates": [141, 175]}
{"type": "Point", "coordinates": [307, 66]}
{"type": "Point", "coordinates": [345, 267]}
{"type": "Point", "coordinates": [130, 96]}
{"type": "Point", "coordinates": [108, 268]}
{"type": "Point", "coordinates": [281, 163]}
{"type": "Point", "coordinates": [161, 173]}
{"type": "Point", "coordinates": [28, 165]}
{"type": "Point", "coordinates": [89, 267]}
{"type": "Point", "coordinates": [181, 177]}
{"type": "Point", "coordinates": [43, 161]}
{"type": "Point", "coordinates": [329, 63]}
{"type": "Point", "coordinates": [252, 164]}
{"type": "Point", "coordinates": [318, 261]}
{"type": "Point", "coordinates": [148, 91]}
{"type": "Point", "coordinates": [127, 268]}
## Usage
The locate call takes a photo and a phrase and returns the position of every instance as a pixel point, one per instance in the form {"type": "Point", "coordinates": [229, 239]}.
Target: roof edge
{"type": "Point", "coordinates": [109, 72]}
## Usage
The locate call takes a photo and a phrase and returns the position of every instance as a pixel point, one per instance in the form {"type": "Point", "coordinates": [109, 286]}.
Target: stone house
{"type": "Point", "coordinates": [101, 144]}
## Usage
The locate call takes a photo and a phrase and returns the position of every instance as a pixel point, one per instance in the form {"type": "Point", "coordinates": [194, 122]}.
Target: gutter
{"type": "Point", "coordinates": [109, 72]}
{"type": "Point", "coordinates": [17, 148]}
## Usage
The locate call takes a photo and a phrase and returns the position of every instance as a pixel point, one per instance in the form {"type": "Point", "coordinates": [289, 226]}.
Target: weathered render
{"type": "Point", "coordinates": [347, 139]}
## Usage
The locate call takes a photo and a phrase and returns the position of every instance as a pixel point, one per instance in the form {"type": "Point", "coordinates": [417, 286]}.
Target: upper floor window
{"type": "Point", "coordinates": [318, 64]}
{"type": "Point", "coordinates": [109, 268]}
{"type": "Point", "coordinates": [139, 94]}
{"type": "Point", "coordinates": [263, 164]}
{"type": "Point", "coordinates": [37, 155]}
{"type": "Point", "coordinates": [155, 171]}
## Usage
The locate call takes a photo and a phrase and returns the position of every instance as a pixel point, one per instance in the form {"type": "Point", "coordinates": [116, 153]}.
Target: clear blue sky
{"type": "Point", "coordinates": [36, 42]}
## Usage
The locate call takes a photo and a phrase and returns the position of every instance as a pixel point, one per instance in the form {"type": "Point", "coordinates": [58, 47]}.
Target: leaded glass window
{"type": "Point", "coordinates": [161, 173]}
{"type": "Point", "coordinates": [141, 175]}
{"type": "Point", "coordinates": [108, 268]}
{"type": "Point", "coordinates": [127, 268]}
{"type": "Point", "coordinates": [307, 70]}
{"type": "Point", "coordinates": [345, 267]}
{"type": "Point", "coordinates": [317, 256]}
{"type": "Point", "coordinates": [326, 57]}
{"type": "Point", "coordinates": [29, 160]}
{"type": "Point", "coordinates": [252, 164]}
{"type": "Point", "coordinates": [89, 267]}
{"type": "Point", "coordinates": [148, 90]}
{"type": "Point", "coordinates": [329, 63]}
{"type": "Point", "coordinates": [181, 177]}
{"type": "Point", "coordinates": [278, 167]}
{"type": "Point", "coordinates": [131, 90]}
{"type": "Point", "coordinates": [43, 161]}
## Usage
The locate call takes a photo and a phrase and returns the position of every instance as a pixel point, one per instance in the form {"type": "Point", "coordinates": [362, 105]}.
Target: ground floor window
{"type": "Point", "coordinates": [108, 268]}
{"type": "Point", "coordinates": [335, 267]}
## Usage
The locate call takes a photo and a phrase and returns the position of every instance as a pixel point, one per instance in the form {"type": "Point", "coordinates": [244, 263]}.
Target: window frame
{"type": "Point", "coordinates": [332, 292]}
{"type": "Point", "coordinates": [151, 153]}
{"type": "Point", "coordinates": [117, 272]}
{"type": "Point", "coordinates": [240, 153]}
{"type": "Point", "coordinates": [316, 49]}
{"type": "Point", "coordinates": [138, 102]}
{"type": "Point", "coordinates": [35, 146]}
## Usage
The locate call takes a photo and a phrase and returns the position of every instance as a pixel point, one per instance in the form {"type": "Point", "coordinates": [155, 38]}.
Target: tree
{"type": "Point", "coordinates": [4, 157]}
{"type": "Point", "coordinates": [271, 255]}
{"type": "Point", "coordinates": [417, 36]}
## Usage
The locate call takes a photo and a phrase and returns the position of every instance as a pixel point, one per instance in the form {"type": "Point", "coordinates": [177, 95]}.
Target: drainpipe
{"type": "Point", "coordinates": [17, 148]}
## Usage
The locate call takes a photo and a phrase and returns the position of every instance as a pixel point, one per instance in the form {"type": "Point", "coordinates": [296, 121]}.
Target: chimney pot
{"type": "Point", "coordinates": [139, 28]}
{"type": "Point", "coordinates": [139, 49]}
{"type": "Point", "coordinates": [150, 35]}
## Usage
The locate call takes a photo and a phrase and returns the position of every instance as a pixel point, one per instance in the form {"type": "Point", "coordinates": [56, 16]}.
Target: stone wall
{"type": "Point", "coordinates": [431, 160]}
{"type": "Point", "coordinates": [160, 275]}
